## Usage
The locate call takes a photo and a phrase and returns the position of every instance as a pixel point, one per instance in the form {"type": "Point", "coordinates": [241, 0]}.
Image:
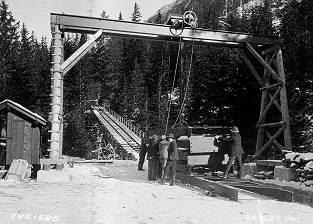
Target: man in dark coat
{"type": "Point", "coordinates": [143, 151]}
{"type": "Point", "coordinates": [171, 162]}
{"type": "Point", "coordinates": [153, 152]}
{"type": "Point", "coordinates": [236, 151]}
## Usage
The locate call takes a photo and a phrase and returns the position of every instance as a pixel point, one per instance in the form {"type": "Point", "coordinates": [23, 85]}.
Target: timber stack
{"type": "Point", "coordinates": [303, 165]}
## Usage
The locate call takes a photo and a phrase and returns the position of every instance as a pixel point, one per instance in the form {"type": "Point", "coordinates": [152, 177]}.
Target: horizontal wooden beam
{"type": "Point", "coordinates": [271, 125]}
{"type": "Point", "coordinates": [270, 86]}
{"type": "Point", "coordinates": [83, 24]}
{"type": "Point", "coordinates": [220, 189]}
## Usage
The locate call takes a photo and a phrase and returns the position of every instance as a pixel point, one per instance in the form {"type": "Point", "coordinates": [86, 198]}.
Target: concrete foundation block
{"type": "Point", "coordinates": [282, 173]}
{"type": "Point", "coordinates": [249, 169]}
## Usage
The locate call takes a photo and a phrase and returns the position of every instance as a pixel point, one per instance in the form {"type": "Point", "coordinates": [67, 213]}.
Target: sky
{"type": "Point", "coordinates": [36, 13]}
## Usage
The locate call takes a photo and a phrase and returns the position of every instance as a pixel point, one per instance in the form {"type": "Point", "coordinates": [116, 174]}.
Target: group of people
{"type": "Point", "coordinates": [162, 155]}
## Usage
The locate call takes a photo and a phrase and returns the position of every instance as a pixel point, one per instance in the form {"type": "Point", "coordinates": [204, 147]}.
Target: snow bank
{"type": "Point", "coordinates": [79, 173]}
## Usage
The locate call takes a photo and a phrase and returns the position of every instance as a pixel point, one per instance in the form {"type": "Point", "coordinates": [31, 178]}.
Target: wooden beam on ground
{"type": "Point", "coordinates": [81, 52]}
{"type": "Point", "coordinates": [220, 189]}
{"type": "Point", "coordinates": [271, 192]}
{"type": "Point", "coordinates": [263, 62]}
{"type": "Point", "coordinates": [278, 145]}
{"type": "Point", "coordinates": [262, 117]}
{"type": "Point", "coordinates": [259, 153]}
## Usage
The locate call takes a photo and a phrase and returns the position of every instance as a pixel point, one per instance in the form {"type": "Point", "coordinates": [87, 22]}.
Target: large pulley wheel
{"type": "Point", "coordinates": [190, 18]}
{"type": "Point", "coordinates": [176, 28]}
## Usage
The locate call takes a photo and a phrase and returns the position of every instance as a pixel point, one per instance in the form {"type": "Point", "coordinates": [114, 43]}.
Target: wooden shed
{"type": "Point", "coordinates": [20, 133]}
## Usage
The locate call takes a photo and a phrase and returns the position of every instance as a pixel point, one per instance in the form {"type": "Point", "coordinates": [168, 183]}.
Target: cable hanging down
{"type": "Point", "coordinates": [173, 84]}
{"type": "Point", "coordinates": [187, 85]}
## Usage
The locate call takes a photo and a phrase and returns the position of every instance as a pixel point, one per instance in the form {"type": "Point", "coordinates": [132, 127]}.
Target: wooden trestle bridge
{"type": "Point", "coordinates": [123, 132]}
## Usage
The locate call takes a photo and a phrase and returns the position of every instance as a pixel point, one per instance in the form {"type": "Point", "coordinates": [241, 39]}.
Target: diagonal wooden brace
{"type": "Point", "coordinates": [261, 119]}
{"type": "Point", "coordinates": [81, 52]}
{"type": "Point", "coordinates": [256, 75]}
{"type": "Point", "coordinates": [281, 148]}
{"type": "Point", "coordinates": [259, 153]}
{"type": "Point", "coordinates": [263, 62]}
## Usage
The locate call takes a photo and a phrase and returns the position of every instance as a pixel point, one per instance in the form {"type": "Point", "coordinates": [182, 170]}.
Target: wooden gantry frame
{"type": "Point", "coordinates": [264, 50]}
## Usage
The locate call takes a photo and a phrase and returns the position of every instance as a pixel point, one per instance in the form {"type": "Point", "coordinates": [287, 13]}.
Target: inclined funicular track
{"type": "Point", "coordinates": [127, 140]}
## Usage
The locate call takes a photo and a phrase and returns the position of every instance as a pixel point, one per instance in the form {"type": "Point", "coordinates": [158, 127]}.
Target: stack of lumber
{"type": "Point", "coordinates": [303, 163]}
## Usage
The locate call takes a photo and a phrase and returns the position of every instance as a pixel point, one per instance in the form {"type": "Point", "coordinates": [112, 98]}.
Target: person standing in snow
{"type": "Point", "coordinates": [143, 151]}
{"type": "Point", "coordinates": [163, 154]}
{"type": "Point", "coordinates": [236, 151]}
{"type": "Point", "coordinates": [171, 162]}
{"type": "Point", "coordinates": [153, 152]}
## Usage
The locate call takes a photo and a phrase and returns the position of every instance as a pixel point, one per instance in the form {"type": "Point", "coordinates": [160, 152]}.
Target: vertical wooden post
{"type": "Point", "coordinates": [283, 101]}
{"type": "Point", "coordinates": [56, 92]}
{"type": "Point", "coordinates": [62, 100]}
{"type": "Point", "coordinates": [264, 102]}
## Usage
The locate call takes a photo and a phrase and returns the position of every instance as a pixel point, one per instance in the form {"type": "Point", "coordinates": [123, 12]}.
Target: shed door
{"type": "Point", "coordinates": [19, 140]}
{"type": "Point", "coordinates": [15, 131]}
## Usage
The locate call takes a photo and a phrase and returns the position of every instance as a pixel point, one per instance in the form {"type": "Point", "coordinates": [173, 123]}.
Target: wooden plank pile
{"type": "Point", "coordinates": [303, 163]}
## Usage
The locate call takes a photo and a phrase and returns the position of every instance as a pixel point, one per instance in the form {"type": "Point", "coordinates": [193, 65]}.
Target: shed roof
{"type": "Point", "coordinates": [18, 107]}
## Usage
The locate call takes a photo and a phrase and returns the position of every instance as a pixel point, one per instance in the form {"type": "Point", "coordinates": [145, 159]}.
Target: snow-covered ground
{"type": "Point", "coordinates": [117, 193]}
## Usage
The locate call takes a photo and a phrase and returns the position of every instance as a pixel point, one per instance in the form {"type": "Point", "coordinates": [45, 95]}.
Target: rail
{"type": "Point", "coordinates": [135, 129]}
{"type": "Point", "coordinates": [127, 135]}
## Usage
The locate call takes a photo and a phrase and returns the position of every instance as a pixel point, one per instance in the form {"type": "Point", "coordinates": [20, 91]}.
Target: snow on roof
{"type": "Point", "coordinates": [25, 110]}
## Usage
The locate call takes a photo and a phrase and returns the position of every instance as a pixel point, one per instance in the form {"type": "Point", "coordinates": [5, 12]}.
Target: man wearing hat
{"type": "Point", "coordinates": [236, 151]}
{"type": "Point", "coordinates": [171, 162]}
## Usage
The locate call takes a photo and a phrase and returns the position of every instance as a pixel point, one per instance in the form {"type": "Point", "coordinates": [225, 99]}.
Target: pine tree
{"type": "Point", "coordinates": [104, 15]}
{"type": "Point", "coordinates": [8, 45]}
{"type": "Point", "coordinates": [120, 17]}
{"type": "Point", "coordinates": [136, 15]}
